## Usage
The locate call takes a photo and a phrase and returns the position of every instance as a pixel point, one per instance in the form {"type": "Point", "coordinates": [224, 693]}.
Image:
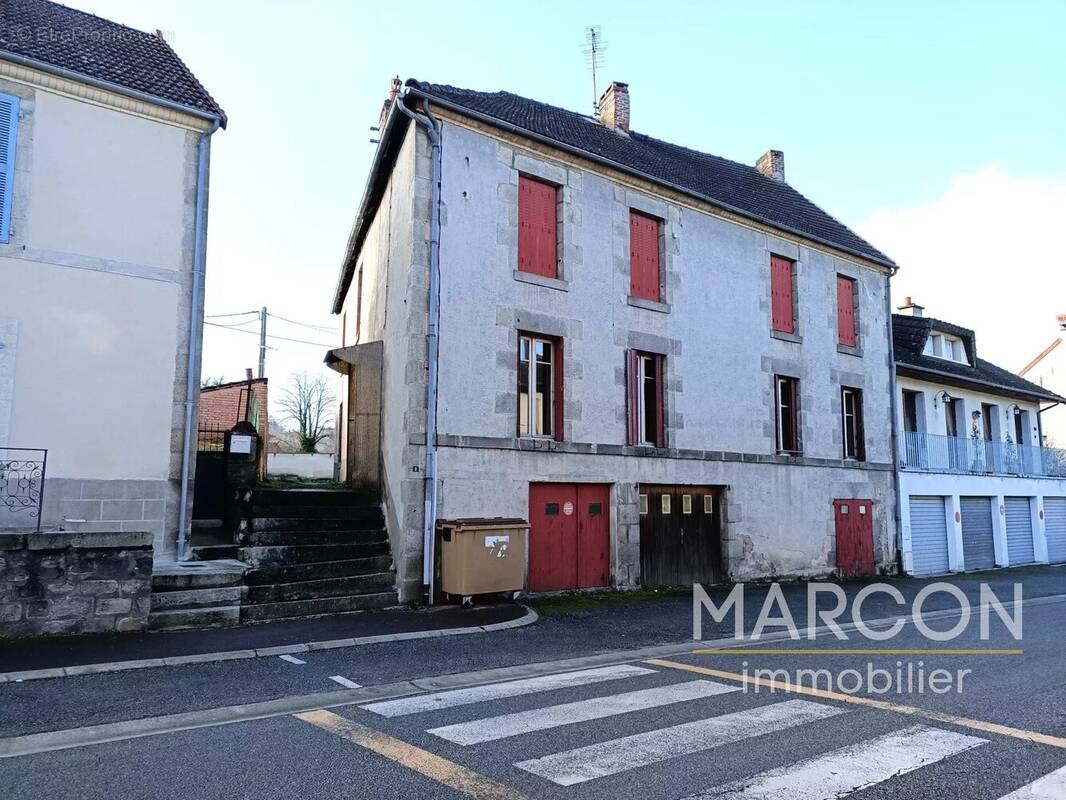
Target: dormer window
{"type": "Point", "coordinates": [946, 346]}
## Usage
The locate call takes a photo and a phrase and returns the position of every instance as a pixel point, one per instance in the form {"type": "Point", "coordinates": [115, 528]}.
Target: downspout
{"type": "Point", "coordinates": [196, 331]}
{"type": "Point", "coordinates": [897, 506]}
{"type": "Point", "coordinates": [427, 121]}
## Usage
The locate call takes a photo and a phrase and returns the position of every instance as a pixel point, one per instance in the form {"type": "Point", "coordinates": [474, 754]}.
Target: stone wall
{"type": "Point", "coordinates": [63, 582]}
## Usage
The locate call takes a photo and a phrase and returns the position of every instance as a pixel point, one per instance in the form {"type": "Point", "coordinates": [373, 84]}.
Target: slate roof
{"type": "Point", "coordinates": [908, 338]}
{"type": "Point", "coordinates": [737, 187]}
{"type": "Point", "coordinates": [100, 49]}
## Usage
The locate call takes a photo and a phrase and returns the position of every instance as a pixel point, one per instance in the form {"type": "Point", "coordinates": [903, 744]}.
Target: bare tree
{"type": "Point", "coordinates": [308, 402]}
{"type": "Point", "coordinates": [210, 382]}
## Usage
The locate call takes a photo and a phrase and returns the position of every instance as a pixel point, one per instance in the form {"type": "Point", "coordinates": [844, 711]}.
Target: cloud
{"type": "Point", "coordinates": [988, 254]}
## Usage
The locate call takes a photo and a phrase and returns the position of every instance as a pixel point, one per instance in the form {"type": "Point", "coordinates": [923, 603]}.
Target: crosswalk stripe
{"type": "Point", "coordinates": [496, 691]}
{"type": "Point", "coordinates": [539, 719]}
{"type": "Point", "coordinates": [858, 766]}
{"type": "Point", "coordinates": [1050, 787]}
{"type": "Point", "coordinates": [644, 749]}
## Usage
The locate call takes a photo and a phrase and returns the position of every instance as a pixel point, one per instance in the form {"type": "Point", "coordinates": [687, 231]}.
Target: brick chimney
{"type": "Point", "coordinates": [613, 109]}
{"type": "Point", "coordinates": [910, 308]}
{"type": "Point", "coordinates": [247, 373]}
{"type": "Point", "coordinates": [386, 107]}
{"type": "Point", "coordinates": [772, 165]}
{"type": "Point", "coordinates": [1061, 319]}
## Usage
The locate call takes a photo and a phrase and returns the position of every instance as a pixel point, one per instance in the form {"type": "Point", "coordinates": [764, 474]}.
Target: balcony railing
{"type": "Point", "coordinates": [22, 473]}
{"type": "Point", "coordinates": [927, 451]}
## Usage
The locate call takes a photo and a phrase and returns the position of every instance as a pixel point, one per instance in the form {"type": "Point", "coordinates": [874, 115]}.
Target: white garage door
{"type": "Point", "coordinates": [929, 536]}
{"type": "Point", "coordinates": [1055, 526]}
{"type": "Point", "coordinates": [978, 547]}
{"type": "Point", "coordinates": [1019, 531]}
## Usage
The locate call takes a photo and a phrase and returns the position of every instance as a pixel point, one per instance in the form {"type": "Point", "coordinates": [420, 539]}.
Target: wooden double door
{"type": "Point", "coordinates": [680, 535]}
{"type": "Point", "coordinates": [569, 536]}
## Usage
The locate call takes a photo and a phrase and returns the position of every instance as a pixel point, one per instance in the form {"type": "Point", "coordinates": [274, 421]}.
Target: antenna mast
{"type": "Point", "coordinates": [594, 49]}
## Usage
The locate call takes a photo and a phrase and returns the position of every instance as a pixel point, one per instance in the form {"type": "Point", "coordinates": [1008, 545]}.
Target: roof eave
{"type": "Point", "coordinates": [913, 370]}
{"type": "Point", "coordinates": [116, 88]}
{"type": "Point", "coordinates": [886, 263]}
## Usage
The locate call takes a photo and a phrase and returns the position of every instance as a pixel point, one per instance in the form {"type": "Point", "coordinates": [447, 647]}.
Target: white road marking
{"type": "Point", "coordinates": [539, 719]}
{"type": "Point", "coordinates": [292, 659]}
{"type": "Point", "coordinates": [496, 691]}
{"type": "Point", "coordinates": [1051, 787]}
{"type": "Point", "coordinates": [345, 682]}
{"type": "Point", "coordinates": [644, 749]}
{"type": "Point", "coordinates": [849, 769]}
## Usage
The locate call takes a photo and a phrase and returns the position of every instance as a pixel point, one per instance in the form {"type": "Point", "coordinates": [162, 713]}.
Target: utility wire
{"type": "Point", "coordinates": [269, 335]}
{"type": "Point", "coordinates": [303, 324]}
{"type": "Point", "coordinates": [238, 314]}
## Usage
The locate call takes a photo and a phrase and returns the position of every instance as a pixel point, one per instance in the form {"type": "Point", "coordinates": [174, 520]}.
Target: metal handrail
{"type": "Point", "coordinates": [975, 456]}
{"type": "Point", "coordinates": [22, 481]}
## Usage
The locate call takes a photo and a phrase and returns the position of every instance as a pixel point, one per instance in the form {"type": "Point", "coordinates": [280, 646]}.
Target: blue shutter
{"type": "Point", "coordinates": [9, 124]}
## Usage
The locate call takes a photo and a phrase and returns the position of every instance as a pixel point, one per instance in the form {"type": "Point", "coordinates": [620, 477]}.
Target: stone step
{"type": "Point", "coordinates": [284, 555]}
{"type": "Point", "coordinates": [292, 573]}
{"type": "Point", "coordinates": [303, 538]}
{"type": "Point", "coordinates": [372, 583]}
{"type": "Point", "coordinates": [181, 618]}
{"type": "Point", "coordinates": [326, 520]}
{"type": "Point", "coordinates": [261, 612]}
{"type": "Point", "coordinates": [211, 552]}
{"type": "Point", "coordinates": [197, 598]}
{"type": "Point", "coordinates": [172, 577]}
{"type": "Point", "coordinates": [313, 497]}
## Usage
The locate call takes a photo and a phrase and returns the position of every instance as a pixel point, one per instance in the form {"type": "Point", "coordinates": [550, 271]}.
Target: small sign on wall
{"type": "Point", "coordinates": [240, 444]}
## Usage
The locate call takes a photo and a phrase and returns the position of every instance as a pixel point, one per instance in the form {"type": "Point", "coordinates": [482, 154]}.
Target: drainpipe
{"type": "Point", "coordinates": [895, 422]}
{"type": "Point", "coordinates": [427, 121]}
{"type": "Point", "coordinates": [196, 331]}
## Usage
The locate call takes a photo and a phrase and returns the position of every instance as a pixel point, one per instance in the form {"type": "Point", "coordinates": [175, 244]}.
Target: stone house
{"type": "Point", "coordinates": [104, 143]}
{"type": "Point", "coordinates": [978, 487]}
{"type": "Point", "coordinates": [675, 366]}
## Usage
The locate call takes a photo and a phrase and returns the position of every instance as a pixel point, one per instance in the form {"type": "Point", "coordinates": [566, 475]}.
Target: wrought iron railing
{"type": "Point", "coordinates": [928, 451]}
{"type": "Point", "coordinates": [22, 472]}
{"type": "Point", "coordinates": [211, 440]}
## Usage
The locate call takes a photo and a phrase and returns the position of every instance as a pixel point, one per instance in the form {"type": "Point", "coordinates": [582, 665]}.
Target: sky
{"type": "Point", "coordinates": [935, 130]}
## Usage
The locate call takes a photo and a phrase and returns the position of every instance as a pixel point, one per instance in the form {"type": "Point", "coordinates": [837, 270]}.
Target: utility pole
{"type": "Point", "coordinates": [262, 341]}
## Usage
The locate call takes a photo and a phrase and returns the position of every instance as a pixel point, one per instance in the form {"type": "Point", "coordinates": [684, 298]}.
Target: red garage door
{"type": "Point", "coordinates": [569, 537]}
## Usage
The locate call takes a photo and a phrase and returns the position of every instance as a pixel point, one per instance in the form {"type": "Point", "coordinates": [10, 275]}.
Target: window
{"type": "Point", "coordinates": [645, 399]}
{"type": "Point", "coordinates": [788, 439]}
{"type": "Point", "coordinates": [540, 387]}
{"type": "Point", "coordinates": [9, 121]}
{"type": "Point", "coordinates": [538, 227]}
{"type": "Point", "coordinates": [941, 345]}
{"type": "Point", "coordinates": [911, 411]}
{"type": "Point", "coordinates": [851, 412]}
{"type": "Point", "coordinates": [846, 327]}
{"type": "Point", "coordinates": [645, 274]}
{"type": "Point", "coordinates": [781, 297]}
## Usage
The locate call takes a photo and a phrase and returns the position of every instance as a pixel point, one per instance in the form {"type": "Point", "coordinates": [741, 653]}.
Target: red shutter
{"type": "Point", "coordinates": [632, 398]}
{"type": "Point", "coordinates": [660, 393]}
{"type": "Point", "coordinates": [781, 294]}
{"type": "Point", "coordinates": [557, 389]}
{"type": "Point", "coordinates": [537, 214]}
{"type": "Point", "coordinates": [644, 273]}
{"type": "Point", "coordinates": [845, 311]}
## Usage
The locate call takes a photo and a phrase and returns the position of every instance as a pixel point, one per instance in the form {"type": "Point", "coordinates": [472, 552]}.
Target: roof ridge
{"type": "Point", "coordinates": [90, 15]}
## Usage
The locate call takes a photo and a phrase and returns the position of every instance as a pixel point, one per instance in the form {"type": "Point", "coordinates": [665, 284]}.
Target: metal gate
{"type": "Point", "coordinates": [1055, 527]}
{"type": "Point", "coordinates": [978, 546]}
{"type": "Point", "coordinates": [929, 536]}
{"type": "Point", "coordinates": [1020, 548]}
{"type": "Point", "coordinates": [855, 537]}
{"type": "Point", "coordinates": [569, 536]}
{"type": "Point", "coordinates": [680, 535]}
{"type": "Point", "coordinates": [209, 484]}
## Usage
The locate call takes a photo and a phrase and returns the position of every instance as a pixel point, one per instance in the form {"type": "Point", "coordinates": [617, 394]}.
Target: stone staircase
{"type": "Point", "coordinates": [311, 552]}
{"type": "Point", "coordinates": [302, 553]}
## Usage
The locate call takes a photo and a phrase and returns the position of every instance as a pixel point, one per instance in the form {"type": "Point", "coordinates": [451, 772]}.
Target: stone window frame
{"type": "Point", "coordinates": [794, 253]}
{"type": "Point", "coordinates": [669, 217]}
{"type": "Point", "coordinates": [856, 278]}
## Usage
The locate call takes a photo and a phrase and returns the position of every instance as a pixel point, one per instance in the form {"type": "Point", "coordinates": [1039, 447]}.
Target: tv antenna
{"type": "Point", "coordinates": [594, 49]}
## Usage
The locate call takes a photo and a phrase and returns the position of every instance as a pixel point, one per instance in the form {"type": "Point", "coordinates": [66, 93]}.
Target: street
{"type": "Point", "coordinates": [539, 713]}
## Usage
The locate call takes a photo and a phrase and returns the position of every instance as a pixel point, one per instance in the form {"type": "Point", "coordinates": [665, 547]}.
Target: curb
{"type": "Point", "coordinates": [528, 618]}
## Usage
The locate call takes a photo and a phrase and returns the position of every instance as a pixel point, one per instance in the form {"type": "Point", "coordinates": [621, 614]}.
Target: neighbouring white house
{"type": "Point", "coordinates": [675, 366]}
{"type": "Point", "coordinates": [1048, 369]}
{"type": "Point", "coordinates": [104, 153]}
{"type": "Point", "coordinates": [978, 489]}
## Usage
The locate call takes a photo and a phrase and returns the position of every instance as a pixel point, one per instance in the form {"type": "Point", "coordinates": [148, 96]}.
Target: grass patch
{"type": "Point", "coordinates": [572, 602]}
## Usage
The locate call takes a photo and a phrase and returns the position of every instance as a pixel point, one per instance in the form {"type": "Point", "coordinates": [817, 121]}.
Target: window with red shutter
{"type": "Point", "coordinates": [846, 311]}
{"type": "Point", "coordinates": [537, 227]}
{"type": "Point", "coordinates": [781, 301]}
{"type": "Point", "coordinates": [645, 276]}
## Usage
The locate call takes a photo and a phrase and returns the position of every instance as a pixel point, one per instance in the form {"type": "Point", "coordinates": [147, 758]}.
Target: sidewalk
{"type": "Point", "coordinates": [59, 656]}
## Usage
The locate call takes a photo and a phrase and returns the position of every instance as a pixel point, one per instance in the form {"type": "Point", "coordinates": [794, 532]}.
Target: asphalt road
{"type": "Point", "coordinates": [681, 725]}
